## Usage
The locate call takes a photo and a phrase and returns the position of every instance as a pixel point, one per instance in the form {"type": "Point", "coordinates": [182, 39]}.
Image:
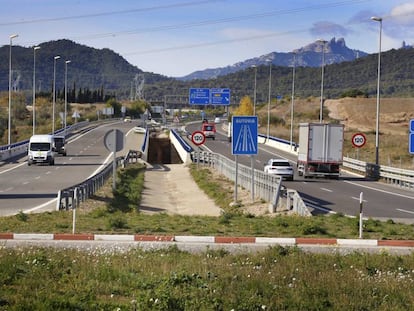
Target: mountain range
{"type": "Point", "coordinates": [103, 69]}
{"type": "Point", "coordinates": [335, 51]}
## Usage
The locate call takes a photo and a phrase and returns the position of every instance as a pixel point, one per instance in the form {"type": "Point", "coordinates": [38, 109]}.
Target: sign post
{"type": "Point", "coordinates": [358, 141]}
{"type": "Point", "coordinates": [114, 142]}
{"type": "Point", "coordinates": [198, 138]}
{"type": "Point", "coordinates": [244, 141]}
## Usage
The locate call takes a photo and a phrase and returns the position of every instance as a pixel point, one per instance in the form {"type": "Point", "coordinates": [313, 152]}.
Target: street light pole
{"type": "Point", "coordinates": [66, 94]}
{"type": "Point", "coordinates": [322, 70]}
{"type": "Point", "coordinates": [10, 78]}
{"type": "Point", "coordinates": [292, 101]}
{"type": "Point", "coordinates": [34, 88]}
{"type": "Point", "coordinates": [378, 19]}
{"type": "Point", "coordinates": [268, 104]}
{"type": "Point", "coordinates": [54, 93]}
{"type": "Point", "coordinates": [255, 84]}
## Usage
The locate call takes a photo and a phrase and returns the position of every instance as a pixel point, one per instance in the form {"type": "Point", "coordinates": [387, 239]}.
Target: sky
{"type": "Point", "coordinates": [177, 37]}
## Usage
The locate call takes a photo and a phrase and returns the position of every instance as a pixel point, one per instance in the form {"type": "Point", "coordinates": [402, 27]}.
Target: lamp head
{"type": "Point", "coordinates": [376, 18]}
{"type": "Point", "coordinates": [56, 57]}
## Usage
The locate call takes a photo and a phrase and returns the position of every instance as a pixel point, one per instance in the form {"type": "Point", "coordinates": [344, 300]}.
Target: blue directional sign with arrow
{"type": "Point", "coordinates": [244, 135]}
{"type": "Point", "coordinates": [203, 96]}
{"type": "Point", "coordinates": [220, 96]}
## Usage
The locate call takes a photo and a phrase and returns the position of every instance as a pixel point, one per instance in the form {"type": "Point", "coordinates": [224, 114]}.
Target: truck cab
{"type": "Point", "coordinates": [41, 150]}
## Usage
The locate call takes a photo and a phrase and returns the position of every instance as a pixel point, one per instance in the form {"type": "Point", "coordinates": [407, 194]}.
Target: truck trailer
{"type": "Point", "coordinates": [320, 150]}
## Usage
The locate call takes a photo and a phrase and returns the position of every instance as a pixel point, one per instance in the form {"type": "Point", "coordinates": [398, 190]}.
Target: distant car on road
{"type": "Point", "coordinates": [59, 144]}
{"type": "Point", "coordinates": [127, 119]}
{"type": "Point", "coordinates": [139, 130]}
{"type": "Point", "coordinates": [280, 167]}
{"type": "Point", "coordinates": [217, 120]}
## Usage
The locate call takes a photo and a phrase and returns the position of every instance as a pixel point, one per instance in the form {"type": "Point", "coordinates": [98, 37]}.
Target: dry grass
{"type": "Point", "coordinates": [357, 115]}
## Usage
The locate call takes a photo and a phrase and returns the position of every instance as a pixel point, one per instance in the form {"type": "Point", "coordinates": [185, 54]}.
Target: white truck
{"type": "Point", "coordinates": [41, 150]}
{"type": "Point", "coordinates": [320, 149]}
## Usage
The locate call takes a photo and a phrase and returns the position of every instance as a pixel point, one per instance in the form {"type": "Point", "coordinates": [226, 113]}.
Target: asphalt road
{"type": "Point", "coordinates": [323, 196]}
{"type": "Point", "coordinates": [35, 188]}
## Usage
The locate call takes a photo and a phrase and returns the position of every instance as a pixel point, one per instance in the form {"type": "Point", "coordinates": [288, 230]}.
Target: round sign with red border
{"type": "Point", "coordinates": [358, 140]}
{"type": "Point", "coordinates": [198, 138]}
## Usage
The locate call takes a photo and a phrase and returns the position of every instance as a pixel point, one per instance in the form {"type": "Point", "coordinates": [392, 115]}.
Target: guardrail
{"type": "Point", "coordinates": [266, 187]}
{"type": "Point", "coordinates": [71, 197]}
{"type": "Point", "coordinates": [396, 176]}
{"type": "Point", "coordinates": [20, 148]}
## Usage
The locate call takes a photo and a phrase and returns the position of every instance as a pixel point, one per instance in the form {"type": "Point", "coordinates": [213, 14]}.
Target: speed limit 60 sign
{"type": "Point", "coordinates": [198, 138]}
{"type": "Point", "coordinates": [358, 140]}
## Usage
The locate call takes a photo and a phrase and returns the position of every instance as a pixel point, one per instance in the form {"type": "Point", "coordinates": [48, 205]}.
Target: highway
{"type": "Point", "coordinates": [35, 188]}
{"type": "Point", "coordinates": [323, 196]}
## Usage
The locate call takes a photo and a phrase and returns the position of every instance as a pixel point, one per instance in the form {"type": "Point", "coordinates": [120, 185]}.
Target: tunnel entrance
{"type": "Point", "coordinates": [162, 151]}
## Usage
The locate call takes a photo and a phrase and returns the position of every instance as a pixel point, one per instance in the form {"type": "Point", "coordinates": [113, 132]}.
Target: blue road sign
{"type": "Point", "coordinates": [244, 135]}
{"type": "Point", "coordinates": [411, 137]}
{"type": "Point", "coordinates": [199, 96]}
{"type": "Point", "coordinates": [220, 96]}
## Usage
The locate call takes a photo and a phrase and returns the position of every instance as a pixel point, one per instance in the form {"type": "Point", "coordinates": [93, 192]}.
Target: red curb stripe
{"type": "Point", "coordinates": [225, 239]}
{"type": "Point", "coordinates": [6, 236]}
{"type": "Point", "coordinates": [316, 241]}
{"type": "Point", "coordinates": [153, 238]}
{"type": "Point", "coordinates": [404, 243]}
{"type": "Point", "coordinates": [75, 237]}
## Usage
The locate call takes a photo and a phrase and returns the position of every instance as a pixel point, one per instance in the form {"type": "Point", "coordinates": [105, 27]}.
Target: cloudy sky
{"type": "Point", "coordinates": [178, 37]}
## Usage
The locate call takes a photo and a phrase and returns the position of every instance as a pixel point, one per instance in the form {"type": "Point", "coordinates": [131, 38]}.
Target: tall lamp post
{"type": "Point", "coordinates": [378, 19]}
{"type": "Point", "coordinates": [268, 104]}
{"type": "Point", "coordinates": [322, 70]}
{"type": "Point", "coordinates": [10, 78]}
{"type": "Point", "coordinates": [292, 101]}
{"type": "Point", "coordinates": [255, 85]}
{"type": "Point", "coordinates": [54, 93]}
{"type": "Point", "coordinates": [34, 88]}
{"type": "Point", "coordinates": [66, 93]}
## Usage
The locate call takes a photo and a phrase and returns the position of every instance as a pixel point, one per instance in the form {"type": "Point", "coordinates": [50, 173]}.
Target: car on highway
{"type": "Point", "coordinates": [59, 144]}
{"type": "Point", "coordinates": [139, 130]}
{"type": "Point", "coordinates": [280, 167]}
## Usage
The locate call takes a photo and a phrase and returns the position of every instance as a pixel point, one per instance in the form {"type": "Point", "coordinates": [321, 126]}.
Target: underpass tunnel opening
{"type": "Point", "coordinates": [162, 151]}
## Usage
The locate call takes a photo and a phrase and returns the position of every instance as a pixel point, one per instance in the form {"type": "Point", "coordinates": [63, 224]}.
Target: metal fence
{"type": "Point", "coordinates": [266, 187]}
{"type": "Point", "coordinates": [71, 197]}
{"type": "Point", "coordinates": [396, 176]}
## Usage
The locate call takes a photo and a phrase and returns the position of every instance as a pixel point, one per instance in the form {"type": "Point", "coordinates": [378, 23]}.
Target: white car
{"type": "Point", "coordinates": [280, 167]}
{"type": "Point", "coordinates": [139, 130]}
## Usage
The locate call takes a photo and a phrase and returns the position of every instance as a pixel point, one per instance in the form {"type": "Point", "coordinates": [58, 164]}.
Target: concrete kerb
{"type": "Point", "coordinates": [288, 241]}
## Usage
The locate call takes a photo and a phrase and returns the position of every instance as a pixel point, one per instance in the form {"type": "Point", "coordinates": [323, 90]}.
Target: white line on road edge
{"type": "Point", "coordinates": [405, 211]}
{"type": "Point", "coordinates": [379, 190]}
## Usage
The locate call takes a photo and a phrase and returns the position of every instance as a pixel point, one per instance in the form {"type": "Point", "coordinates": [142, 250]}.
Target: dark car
{"type": "Point", "coordinates": [59, 144]}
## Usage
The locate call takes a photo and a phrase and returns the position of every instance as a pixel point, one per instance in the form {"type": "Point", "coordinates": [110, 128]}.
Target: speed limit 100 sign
{"type": "Point", "coordinates": [359, 140]}
{"type": "Point", "coordinates": [198, 138]}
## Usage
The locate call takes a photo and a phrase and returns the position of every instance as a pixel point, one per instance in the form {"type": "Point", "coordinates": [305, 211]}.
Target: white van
{"type": "Point", "coordinates": [41, 150]}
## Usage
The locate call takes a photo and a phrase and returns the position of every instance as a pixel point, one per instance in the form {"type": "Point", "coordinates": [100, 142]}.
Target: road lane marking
{"type": "Point", "coordinates": [14, 167]}
{"type": "Point", "coordinates": [327, 190]}
{"type": "Point", "coordinates": [405, 211]}
{"type": "Point", "coordinates": [355, 198]}
{"type": "Point", "coordinates": [379, 190]}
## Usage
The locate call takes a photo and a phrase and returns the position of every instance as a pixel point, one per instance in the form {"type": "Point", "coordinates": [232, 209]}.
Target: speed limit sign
{"type": "Point", "coordinates": [198, 138]}
{"type": "Point", "coordinates": [358, 140]}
